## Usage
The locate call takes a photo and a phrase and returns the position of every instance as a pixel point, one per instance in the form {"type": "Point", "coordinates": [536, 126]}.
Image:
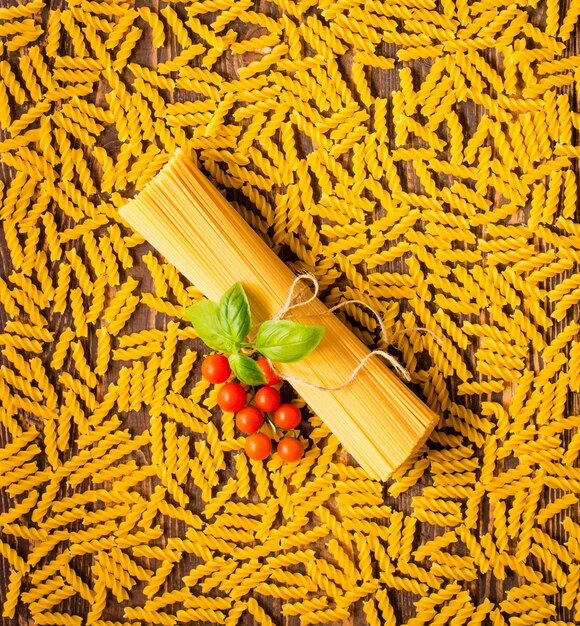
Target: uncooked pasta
{"type": "Point", "coordinates": [420, 157]}
{"type": "Point", "coordinates": [377, 418]}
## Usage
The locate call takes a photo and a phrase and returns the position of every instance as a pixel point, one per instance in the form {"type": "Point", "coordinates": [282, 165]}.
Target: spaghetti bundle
{"type": "Point", "coordinates": [376, 417]}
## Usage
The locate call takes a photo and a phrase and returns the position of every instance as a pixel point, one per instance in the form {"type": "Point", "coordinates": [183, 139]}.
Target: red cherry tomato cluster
{"type": "Point", "coordinates": [286, 416]}
{"type": "Point", "coordinates": [233, 397]}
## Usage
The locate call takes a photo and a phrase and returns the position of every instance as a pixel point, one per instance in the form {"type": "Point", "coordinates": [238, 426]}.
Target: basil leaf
{"type": "Point", "coordinates": [286, 341]}
{"type": "Point", "coordinates": [246, 369]}
{"type": "Point", "coordinates": [235, 313]}
{"type": "Point", "coordinates": [205, 317]}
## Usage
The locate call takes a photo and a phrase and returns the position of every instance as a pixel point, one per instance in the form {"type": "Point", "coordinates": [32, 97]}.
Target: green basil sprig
{"type": "Point", "coordinates": [225, 326]}
{"type": "Point", "coordinates": [286, 341]}
{"type": "Point", "coordinates": [246, 369]}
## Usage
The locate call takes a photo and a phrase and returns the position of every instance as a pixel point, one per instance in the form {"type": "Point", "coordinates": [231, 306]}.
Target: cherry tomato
{"type": "Point", "coordinates": [290, 449]}
{"type": "Point", "coordinates": [287, 416]}
{"type": "Point", "coordinates": [267, 399]}
{"type": "Point", "coordinates": [231, 397]}
{"type": "Point", "coordinates": [258, 446]}
{"type": "Point", "coordinates": [216, 368]}
{"type": "Point", "coordinates": [249, 419]}
{"type": "Point", "coordinates": [269, 374]}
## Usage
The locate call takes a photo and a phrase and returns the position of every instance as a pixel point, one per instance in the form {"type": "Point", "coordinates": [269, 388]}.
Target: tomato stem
{"type": "Point", "coordinates": [274, 427]}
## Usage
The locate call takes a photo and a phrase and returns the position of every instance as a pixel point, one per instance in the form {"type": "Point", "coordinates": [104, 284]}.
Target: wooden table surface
{"type": "Point", "coordinates": [384, 83]}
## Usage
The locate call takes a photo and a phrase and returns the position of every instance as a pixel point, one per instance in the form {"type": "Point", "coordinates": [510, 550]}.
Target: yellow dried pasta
{"type": "Point", "coordinates": [383, 147]}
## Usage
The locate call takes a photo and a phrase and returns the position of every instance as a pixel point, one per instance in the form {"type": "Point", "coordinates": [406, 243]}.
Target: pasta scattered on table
{"type": "Point", "coordinates": [360, 138]}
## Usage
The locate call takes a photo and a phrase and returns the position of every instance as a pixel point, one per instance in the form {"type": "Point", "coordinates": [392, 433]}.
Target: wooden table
{"type": "Point", "coordinates": [384, 83]}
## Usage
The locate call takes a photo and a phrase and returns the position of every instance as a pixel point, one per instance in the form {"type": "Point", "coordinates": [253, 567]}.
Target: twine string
{"type": "Point", "coordinates": [294, 301]}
